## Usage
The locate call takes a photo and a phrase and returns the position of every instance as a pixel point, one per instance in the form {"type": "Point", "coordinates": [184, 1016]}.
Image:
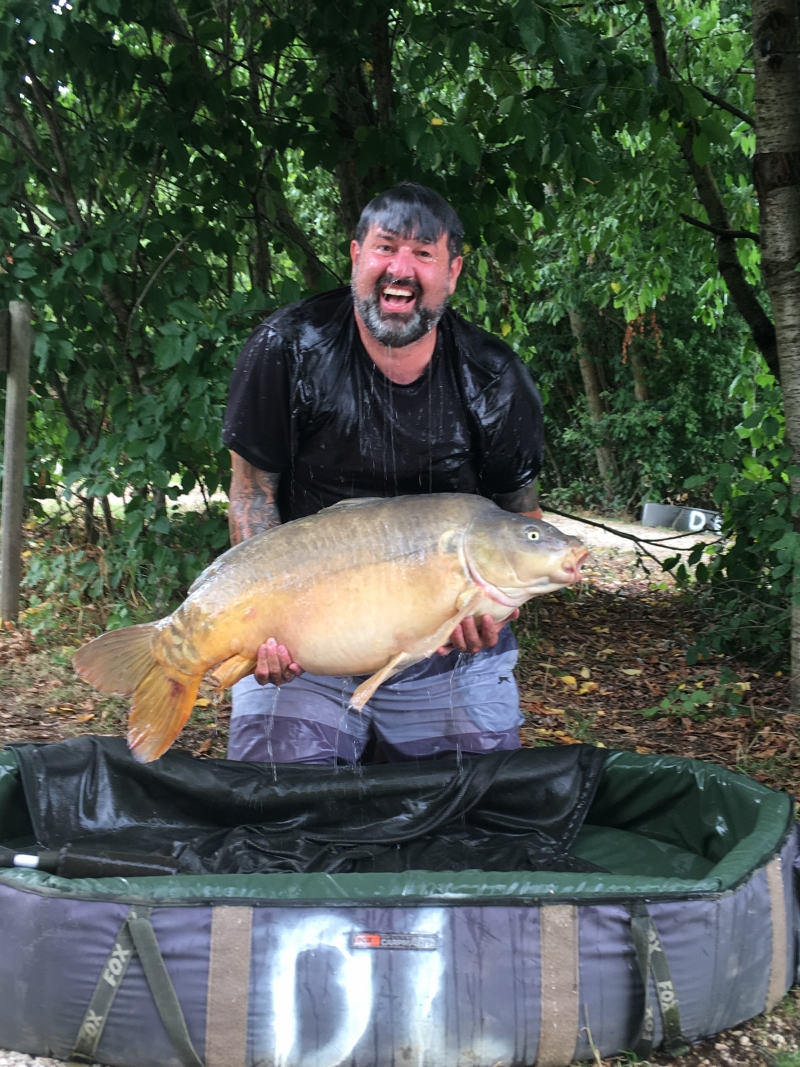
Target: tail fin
{"type": "Point", "coordinates": [117, 662]}
{"type": "Point", "coordinates": [161, 706]}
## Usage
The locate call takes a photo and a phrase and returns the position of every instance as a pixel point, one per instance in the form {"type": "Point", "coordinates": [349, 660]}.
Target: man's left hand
{"type": "Point", "coordinates": [476, 632]}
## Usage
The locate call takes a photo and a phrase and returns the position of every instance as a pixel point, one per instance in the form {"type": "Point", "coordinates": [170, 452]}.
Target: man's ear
{"type": "Point", "coordinates": [355, 251]}
{"type": "Point", "coordinates": [456, 263]}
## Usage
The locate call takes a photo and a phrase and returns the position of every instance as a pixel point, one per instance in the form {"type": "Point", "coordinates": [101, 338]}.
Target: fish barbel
{"type": "Point", "coordinates": [363, 587]}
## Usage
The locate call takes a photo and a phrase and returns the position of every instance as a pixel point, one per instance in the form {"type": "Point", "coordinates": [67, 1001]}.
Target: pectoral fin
{"type": "Point", "coordinates": [442, 635]}
{"type": "Point", "coordinates": [427, 647]}
{"type": "Point", "coordinates": [367, 689]}
{"type": "Point", "coordinates": [231, 671]}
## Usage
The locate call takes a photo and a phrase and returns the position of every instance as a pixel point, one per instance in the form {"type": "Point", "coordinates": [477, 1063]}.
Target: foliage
{"type": "Point", "coordinates": [746, 583]}
{"type": "Point", "coordinates": [122, 581]}
{"type": "Point", "coordinates": [700, 703]}
{"type": "Point", "coordinates": [172, 172]}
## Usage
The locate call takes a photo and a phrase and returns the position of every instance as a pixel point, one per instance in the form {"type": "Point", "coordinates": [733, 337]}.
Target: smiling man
{"type": "Point", "coordinates": [381, 390]}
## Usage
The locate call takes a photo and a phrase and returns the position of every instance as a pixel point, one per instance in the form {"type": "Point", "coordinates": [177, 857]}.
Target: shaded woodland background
{"type": "Point", "coordinates": [170, 172]}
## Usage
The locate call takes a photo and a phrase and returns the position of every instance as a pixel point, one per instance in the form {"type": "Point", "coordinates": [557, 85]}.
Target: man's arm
{"type": "Point", "coordinates": [524, 502]}
{"type": "Point", "coordinates": [252, 500]}
{"type": "Point", "coordinates": [252, 507]}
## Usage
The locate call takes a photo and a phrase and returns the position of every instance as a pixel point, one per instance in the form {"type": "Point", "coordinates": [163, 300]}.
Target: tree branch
{"type": "Point", "coordinates": [743, 294]}
{"type": "Point", "coordinates": [314, 269]}
{"type": "Point", "coordinates": [150, 282]}
{"type": "Point", "coordinates": [721, 102]}
{"type": "Point", "coordinates": [749, 234]}
{"type": "Point", "coordinates": [382, 67]}
{"type": "Point", "coordinates": [51, 121]}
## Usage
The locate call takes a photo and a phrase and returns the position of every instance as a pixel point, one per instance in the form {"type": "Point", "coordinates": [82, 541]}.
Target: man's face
{"type": "Point", "coordinates": [401, 285]}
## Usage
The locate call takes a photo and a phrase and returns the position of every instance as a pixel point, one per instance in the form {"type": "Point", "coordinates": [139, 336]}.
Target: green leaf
{"type": "Point", "coordinates": [169, 351]}
{"type": "Point", "coordinates": [701, 149]}
{"type": "Point", "coordinates": [24, 270]}
{"type": "Point", "coordinates": [465, 143]}
{"type": "Point", "coordinates": [568, 48]}
{"type": "Point", "coordinates": [533, 132]}
{"type": "Point", "coordinates": [531, 30]}
{"type": "Point", "coordinates": [82, 259]}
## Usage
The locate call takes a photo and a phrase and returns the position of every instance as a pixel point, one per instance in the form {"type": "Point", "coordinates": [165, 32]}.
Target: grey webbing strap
{"type": "Point", "coordinates": [137, 935]}
{"type": "Point", "coordinates": [106, 989]}
{"type": "Point", "coordinates": [169, 1007]}
{"type": "Point", "coordinates": [652, 960]}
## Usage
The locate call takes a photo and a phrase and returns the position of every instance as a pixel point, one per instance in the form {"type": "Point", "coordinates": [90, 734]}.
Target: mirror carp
{"type": "Point", "coordinates": [367, 586]}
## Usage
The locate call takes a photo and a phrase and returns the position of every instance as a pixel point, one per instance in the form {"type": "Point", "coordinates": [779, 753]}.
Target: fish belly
{"type": "Point", "coordinates": [355, 623]}
{"type": "Point", "coordinates": [350, 622]}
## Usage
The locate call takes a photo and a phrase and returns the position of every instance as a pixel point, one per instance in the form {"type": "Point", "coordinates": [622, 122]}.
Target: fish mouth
{"type": "Point", "coordinates": [570, 567]}
{"type": "Point", "coordinates": [398, 296]}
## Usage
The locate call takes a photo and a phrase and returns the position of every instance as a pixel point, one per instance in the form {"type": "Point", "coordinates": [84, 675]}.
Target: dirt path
{"type": "Point", "coordinates": [657, 540]}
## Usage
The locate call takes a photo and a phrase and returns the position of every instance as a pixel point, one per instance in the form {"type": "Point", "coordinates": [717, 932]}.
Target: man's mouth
{"type": "Point", "coordinates": [396, 298]}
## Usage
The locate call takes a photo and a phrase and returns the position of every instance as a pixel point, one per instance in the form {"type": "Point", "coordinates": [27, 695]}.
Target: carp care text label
{"type": "Point", "coordinates": [420, 942]}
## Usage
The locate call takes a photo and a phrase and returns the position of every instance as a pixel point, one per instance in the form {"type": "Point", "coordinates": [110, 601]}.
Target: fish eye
{"type": "Point", "coordinates": [531, 534]}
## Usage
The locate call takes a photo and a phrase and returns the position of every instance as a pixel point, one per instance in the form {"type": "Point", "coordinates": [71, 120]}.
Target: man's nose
{"type": "Point", "coordinates": [402, 264]}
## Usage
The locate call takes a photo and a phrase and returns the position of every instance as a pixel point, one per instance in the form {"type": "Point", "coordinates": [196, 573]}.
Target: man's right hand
{"type": "Point", "coordinates": [275, 664]}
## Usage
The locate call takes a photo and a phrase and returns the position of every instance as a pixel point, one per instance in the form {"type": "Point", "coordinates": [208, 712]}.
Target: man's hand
{"type": "Point", "coordinates": [476, 632]}
{"type": "Point", "coordinates": [275, 664]}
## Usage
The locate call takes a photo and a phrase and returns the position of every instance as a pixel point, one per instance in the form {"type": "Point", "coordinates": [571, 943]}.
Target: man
{"type": "Point", "coordinates": [381, 390]}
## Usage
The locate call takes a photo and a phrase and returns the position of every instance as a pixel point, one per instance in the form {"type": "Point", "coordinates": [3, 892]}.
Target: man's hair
{"type": "Point", "coordinates": [414, 212]}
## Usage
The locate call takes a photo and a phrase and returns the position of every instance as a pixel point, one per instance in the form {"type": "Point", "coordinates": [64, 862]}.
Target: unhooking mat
{"type": "Point", "coordinates": [514, 909]}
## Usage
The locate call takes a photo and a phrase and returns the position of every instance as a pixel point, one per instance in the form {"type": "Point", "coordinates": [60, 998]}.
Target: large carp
{"type": "Point", "coordinates": [363, 587]}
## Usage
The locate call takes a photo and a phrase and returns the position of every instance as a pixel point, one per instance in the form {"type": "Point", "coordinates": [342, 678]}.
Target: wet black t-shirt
{"type": "Point", "coordinates": [308, 403]}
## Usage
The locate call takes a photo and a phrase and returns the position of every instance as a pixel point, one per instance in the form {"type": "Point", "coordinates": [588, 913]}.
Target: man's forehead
{"type": "Point", "coordinates": [386, 232]}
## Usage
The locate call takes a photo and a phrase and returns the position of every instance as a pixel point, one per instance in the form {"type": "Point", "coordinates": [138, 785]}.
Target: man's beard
{"type": "Point", "coordinates": [390, 329]}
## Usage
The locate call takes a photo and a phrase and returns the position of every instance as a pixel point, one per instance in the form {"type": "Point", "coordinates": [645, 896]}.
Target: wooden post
{"type": "Point", "coordinates": [19, 354]}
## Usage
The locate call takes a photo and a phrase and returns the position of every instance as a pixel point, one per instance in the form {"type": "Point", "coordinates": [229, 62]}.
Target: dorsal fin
{"type": "Point", "coordinates": [357, 502]}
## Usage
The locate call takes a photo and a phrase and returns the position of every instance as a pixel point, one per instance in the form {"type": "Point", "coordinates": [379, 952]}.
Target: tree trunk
{"type": "Point", "coordinates": [606, 464]}
{"type": "Point", "coordinates": [776, 173]}
{"type": "Point", "coordinates": [640, 388]}
{"type": "Point", "coordinates": [744, 295]}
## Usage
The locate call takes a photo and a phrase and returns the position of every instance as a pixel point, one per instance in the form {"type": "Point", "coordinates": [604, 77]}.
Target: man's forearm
{"type": "Point", "coordinates": [524, 501]}
{"type": "Point", "coordinates": [252, 499]}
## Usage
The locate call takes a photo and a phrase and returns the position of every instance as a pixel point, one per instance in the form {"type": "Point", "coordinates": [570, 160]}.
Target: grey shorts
{"type": "Point", "coordinates": [470, 709]}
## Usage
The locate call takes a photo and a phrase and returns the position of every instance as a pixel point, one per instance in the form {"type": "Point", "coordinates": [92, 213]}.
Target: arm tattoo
{"type": "Point", "coordinates": [252, 500]}
{"type": "Point", "coordinates": [522, 502]}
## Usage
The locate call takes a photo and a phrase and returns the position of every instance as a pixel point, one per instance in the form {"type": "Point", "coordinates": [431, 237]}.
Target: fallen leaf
{"type": "Point", "coordinates": [643, 749]}
{"type": "Point", "coordinates": [587, 687]}
{"type": "Point", "coordinates": [607, 652]}
{"type": "Point", "coordinates": [83, 718]}
{"type": "Point", "coordinates": [601, 629]}
{"type": "Point", "coordinates": [585, 672]}
{"type": "Point", "coordinates": [631, 670]}
{"type": "Point", "coordinates": [568, 679]}
{"type": "Point", "coordinates": [203, 702]}
{"type": "Point", "coordinates": [203, 748]}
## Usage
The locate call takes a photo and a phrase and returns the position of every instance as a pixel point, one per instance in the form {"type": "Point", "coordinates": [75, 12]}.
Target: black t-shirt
{"type": "Point", "coordinates": [308, 403]}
